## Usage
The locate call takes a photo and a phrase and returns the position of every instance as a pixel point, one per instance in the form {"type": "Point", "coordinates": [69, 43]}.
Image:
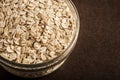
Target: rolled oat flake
{"type": "Point", "coordinates": [34, 31]}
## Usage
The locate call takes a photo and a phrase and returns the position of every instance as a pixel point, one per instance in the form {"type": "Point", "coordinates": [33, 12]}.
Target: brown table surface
{"type": "Point", "coordinates": [97, 53]}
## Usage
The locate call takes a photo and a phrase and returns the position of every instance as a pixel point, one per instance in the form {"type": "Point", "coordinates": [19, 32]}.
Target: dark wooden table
{"type": "Point", "coordinates": [97, 53]}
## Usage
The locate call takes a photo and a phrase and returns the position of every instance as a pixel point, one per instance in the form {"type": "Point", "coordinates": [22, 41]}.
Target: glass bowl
{"type": "Point", "coordinates": [41, 69]}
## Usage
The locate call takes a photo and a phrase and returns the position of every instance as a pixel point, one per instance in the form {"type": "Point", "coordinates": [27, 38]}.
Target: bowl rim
{"type": "Point", "coordinates": [6, 62]}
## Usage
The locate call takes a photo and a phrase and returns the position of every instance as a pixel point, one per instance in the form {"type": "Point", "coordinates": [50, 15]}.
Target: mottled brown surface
{"type": "Point", "coordinates": [97, 53]}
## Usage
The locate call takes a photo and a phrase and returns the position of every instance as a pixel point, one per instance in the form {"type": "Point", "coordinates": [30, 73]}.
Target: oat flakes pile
{"type": "Point", "coordinates": [34, 31]}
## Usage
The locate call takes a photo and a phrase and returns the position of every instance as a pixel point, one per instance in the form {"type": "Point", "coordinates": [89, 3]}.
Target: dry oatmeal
{"type": "Point", "coordinates": [34, 31]}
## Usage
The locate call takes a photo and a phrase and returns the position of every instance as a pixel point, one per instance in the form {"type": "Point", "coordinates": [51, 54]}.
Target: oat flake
{"type": "Point", "coordinates": [34, 31]}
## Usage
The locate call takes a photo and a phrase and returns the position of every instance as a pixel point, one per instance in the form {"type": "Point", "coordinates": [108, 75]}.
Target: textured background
{"type": "Point", "coordinates": [97, 53]}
